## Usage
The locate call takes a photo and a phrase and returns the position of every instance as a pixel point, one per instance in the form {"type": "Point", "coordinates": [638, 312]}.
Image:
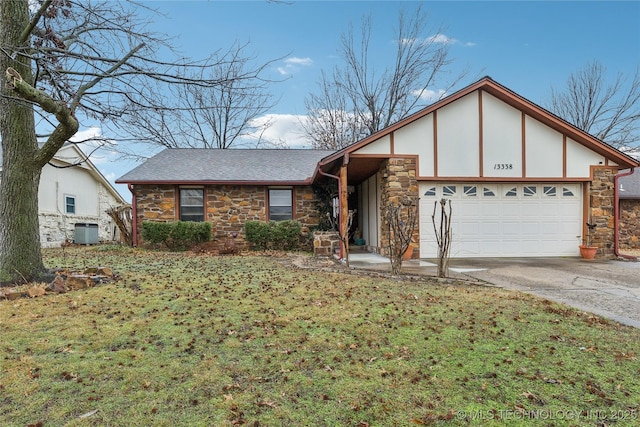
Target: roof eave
{"type": "Point", "coordinates": [213, 182]}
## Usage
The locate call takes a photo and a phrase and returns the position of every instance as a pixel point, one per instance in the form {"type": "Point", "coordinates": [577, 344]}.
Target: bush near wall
{"type": "Point", "coordinates": [179, 235]}
{"type": "Point", "coordinates": [273, 234]}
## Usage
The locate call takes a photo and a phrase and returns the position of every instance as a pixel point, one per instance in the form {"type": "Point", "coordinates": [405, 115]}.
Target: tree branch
{"type": "Point", "coordinates": [34, 21]}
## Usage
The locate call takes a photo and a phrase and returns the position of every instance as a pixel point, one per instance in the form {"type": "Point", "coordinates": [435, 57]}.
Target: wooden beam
{"type": "Point", "coordinates": [343, 196]}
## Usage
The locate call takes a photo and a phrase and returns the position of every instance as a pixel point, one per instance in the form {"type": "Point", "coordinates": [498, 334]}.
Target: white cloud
{"type": "Point", "coordinates": [285, 131]}
{"type": "Point", "coordinates": [293, 64]}
{"type": "Point", "coordinates": [442, 39]}
{"type": "Point", "coordinates": [429, 95]}
{"type": "Point", "coordinates": [445, 39]}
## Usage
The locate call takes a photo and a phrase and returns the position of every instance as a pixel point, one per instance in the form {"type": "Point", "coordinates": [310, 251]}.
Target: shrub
{"type": "Point", "coordinates": [286, 234]}
{"type": "Point", "coordinates": [179, 235]}
{"type": "Point", "coordinates": [273, 234]}
{"type": "Point", "coordinates": [257, 234]}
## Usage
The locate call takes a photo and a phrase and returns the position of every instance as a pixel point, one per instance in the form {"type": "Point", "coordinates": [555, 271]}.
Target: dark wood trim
{"type": "Point", "coordinates": [523, 127]}
{"type": "Point", "coordinates": [564, 156]}
{"type": "Point", "coordinates": [435, 143]}
{"type": "Point", "coordinates": [480, 136]}
{"type": "Point", "coordinates": [500, 179]}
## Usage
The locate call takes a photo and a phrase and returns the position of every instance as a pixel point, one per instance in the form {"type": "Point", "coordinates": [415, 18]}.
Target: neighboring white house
{"type": "Point", "coordinates": [73, 199]}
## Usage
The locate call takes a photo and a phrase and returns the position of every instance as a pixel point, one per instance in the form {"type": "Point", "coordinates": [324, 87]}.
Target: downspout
{"type": "Point", "coordinates": [339, 210]}
{"type": "Point", "coordinates": [134, 215]}
{"type": "Point", "coordinates": [616, 212]}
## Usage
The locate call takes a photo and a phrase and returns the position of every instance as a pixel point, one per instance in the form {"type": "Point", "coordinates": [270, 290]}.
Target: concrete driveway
{"type": "Point", "coordinates": [607, 288]}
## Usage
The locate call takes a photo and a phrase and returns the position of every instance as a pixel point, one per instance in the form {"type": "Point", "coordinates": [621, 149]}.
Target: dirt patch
{"type": "Point", "coordinates": [632, 252]}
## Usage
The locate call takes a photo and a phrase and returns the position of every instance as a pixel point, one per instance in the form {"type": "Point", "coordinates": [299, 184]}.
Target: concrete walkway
{"type": "Point", "coordinates": [607, 288]}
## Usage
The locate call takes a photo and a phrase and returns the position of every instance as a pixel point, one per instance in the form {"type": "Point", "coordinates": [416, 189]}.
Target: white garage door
{"type": "Point", "coordinates": [505, 220]}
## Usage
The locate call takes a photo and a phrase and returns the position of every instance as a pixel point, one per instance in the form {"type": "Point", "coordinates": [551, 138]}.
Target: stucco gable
{"type": "Point", "coordinates": [491, 95]}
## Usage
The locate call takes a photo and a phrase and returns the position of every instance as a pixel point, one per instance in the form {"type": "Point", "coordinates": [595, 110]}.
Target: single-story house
{"type": "Point", "coordinates": [629, 210]}
{"type": "Point", "coordinates": [73, 197]}
{"type": "Point", "coordinates": [522, 181]}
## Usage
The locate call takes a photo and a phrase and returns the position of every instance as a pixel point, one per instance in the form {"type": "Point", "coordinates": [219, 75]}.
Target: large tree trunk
{"type": "Point", "coordinates": [20, 256]}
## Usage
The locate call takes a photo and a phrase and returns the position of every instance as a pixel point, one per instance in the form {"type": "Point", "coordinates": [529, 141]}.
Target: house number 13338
{"type": "Point", "coordinates": [503, 166]}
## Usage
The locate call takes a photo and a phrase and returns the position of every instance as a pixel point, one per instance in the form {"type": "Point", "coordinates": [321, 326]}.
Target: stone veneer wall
{"type": "Point", "coordinates": [227, 207]}
{"type": "Point", "coordinates": [629, 223]}
{"type": "Point", "coordinates": [398, 180]}
{"type": "Point", "coordinates": [601, 201]}
{"type": "Point", "coordinates": [154, 203]}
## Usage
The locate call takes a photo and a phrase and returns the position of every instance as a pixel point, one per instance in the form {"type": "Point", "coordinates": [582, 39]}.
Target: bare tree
{"type": "Point", "coordinates": [345, 235]}
{"type": "Point", "coordinates": [442, 230]}
{"type": "Point", "coordinates": [123, 217]}
{"type": "Point", "coordinates": [219, 116]}
{"type": "Point", "coordinates": [65, 61]}
{"type": "Point", "coordinates": [359, 99]}
{"type": "Point", "coordinates": [330, 123]}
{"type": "Point", "coordinates": [609, 111]}
{"type": "Point", "coordinates": [401, 220]}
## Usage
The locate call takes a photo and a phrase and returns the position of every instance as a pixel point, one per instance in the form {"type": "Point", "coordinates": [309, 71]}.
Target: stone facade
{"type": "Point", "coordinates": [629, 223]}
{"type": "Point", "coordinates": [398, 181]}
{"type": "Point", "coordinates": [325, 243]}
{"type": "Point", "coordinates": [227, 207]}
{"type": "Point", "coordinates": [601, 202]}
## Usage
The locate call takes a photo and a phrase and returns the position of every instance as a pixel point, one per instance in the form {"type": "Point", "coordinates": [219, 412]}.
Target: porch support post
{"type": "Point", "coordinates": [343, 198]}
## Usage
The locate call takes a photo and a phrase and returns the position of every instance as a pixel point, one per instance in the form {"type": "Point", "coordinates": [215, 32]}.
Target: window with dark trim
{"type": "Point", "coordinates": [192, 204]}
{"type": "Point", "coordinates": [70, 204]}
{"type": "Point", "coordinates": [280, 204]}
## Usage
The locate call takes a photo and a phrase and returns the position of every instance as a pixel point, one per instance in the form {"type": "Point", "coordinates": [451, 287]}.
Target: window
{"type": "Point", "coordinates": [566, 192]}
{"type": "Point", "coordinates": [430, 192]}
{"type": "Point", "coordinates": [470, 190]}
{"type": "Point", "coordinates": [70, 204]}
{"type": "Point", "coordinates": [512, 193]}
{"type": "Point", "coordinates": [488, 192]}
{"type": "Point", "coordinates": [192, 204]}
{"type": "Point", "coordinates": [280, 204]}
{"type": "Point", "coordinates": [549, 191]}
{"type": "Point", "coordinates": [530, 190]}
{"type": "Point", "coordinates": [449, 190]}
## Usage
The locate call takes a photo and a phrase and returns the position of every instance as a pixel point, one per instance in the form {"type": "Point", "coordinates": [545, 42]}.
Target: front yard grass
{"type": "Point", "coordinates": [196, 340]}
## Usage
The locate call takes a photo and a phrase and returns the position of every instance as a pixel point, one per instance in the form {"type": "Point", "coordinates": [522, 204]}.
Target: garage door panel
{"type": "Point", "coordinates": [509, 229]}
{"type": "Point", "coordinates": [508, 220]}
{"type": "Point", "coordinates": [490, 228]}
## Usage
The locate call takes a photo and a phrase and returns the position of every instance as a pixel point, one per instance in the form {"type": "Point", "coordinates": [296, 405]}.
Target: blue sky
{"type": "Point", "coordinates": [527, 46]}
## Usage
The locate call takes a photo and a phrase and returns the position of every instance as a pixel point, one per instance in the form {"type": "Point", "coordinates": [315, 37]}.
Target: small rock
{"type": "Point", "coordinates": [57, 286]}
{"type": "Point", "coordinates": [36, 291]}
{"type": "Point", "coordinates": [104, 271]}
{"type": "Point", "coordinates": [12, 295]}
{"type": "Point", "coordinates": [79, 281]}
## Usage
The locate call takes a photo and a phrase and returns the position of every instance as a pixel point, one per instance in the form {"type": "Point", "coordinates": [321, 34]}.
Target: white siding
{"type": "Point", "coordinates": [579, 160]}
{"type": "Point", "coordinates": [379, 146]}
{"type": "Point", "coordinates": [502, 138]}
{"type": "Point", "coordinates": [543, 150]}
{"type": "Point", "coordinates": [417, 138]}
{"type": "Point", "coordinates": [458, 138]}
{"type": "Point", "coordinates": [370, 211]}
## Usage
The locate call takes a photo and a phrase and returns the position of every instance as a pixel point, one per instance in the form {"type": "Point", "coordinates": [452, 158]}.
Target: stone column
{"type": "Point", "coordinates": [398, 180]}
{"type": "Point", "coordinates": [601, 200]}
